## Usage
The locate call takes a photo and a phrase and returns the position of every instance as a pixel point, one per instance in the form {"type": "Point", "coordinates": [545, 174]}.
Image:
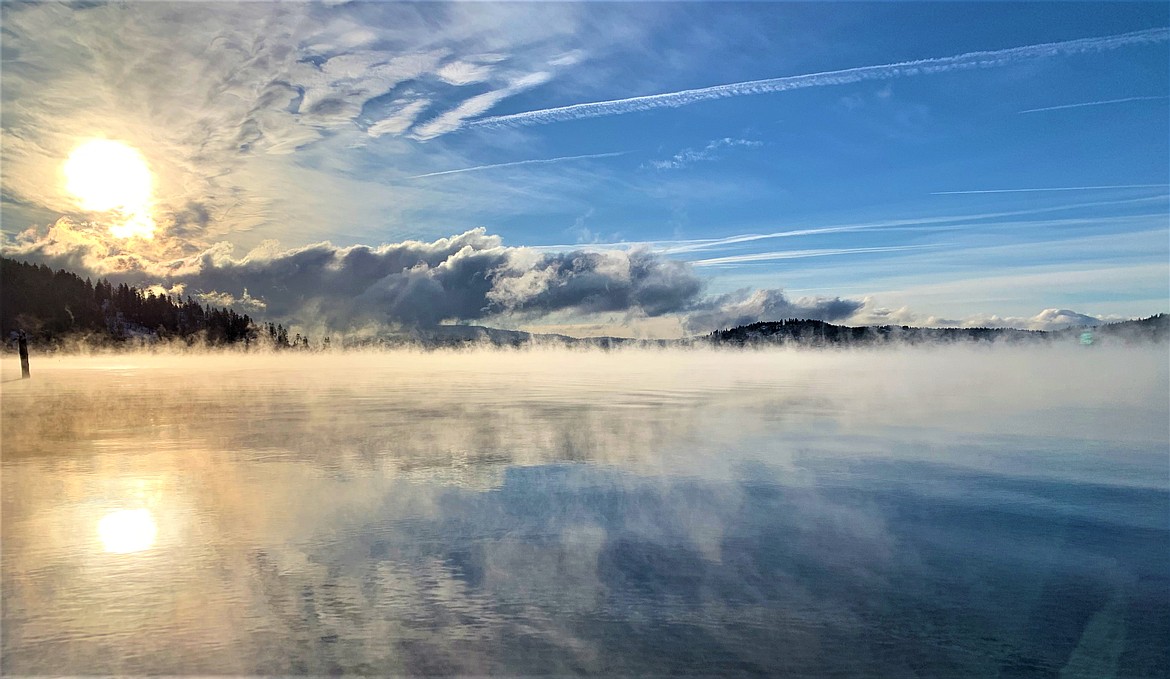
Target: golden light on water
{"type": "Point", "coordinates": [110, 176]}
{"type": "Point", "coordinates": [127, 530]}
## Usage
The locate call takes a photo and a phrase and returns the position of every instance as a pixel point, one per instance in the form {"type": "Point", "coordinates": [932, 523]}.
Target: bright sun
{"type": "Point", "coordinates": [110, 176]}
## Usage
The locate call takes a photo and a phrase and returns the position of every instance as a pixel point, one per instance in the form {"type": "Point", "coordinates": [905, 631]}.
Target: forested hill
{"type": "Point", "coordinates": [52, 306]}
{"type": "Point", "coordinates": [818, 333]}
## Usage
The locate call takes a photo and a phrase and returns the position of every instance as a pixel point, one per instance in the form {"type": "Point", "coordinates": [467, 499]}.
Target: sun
{"type": "Point", "coordinates": [110, 176]}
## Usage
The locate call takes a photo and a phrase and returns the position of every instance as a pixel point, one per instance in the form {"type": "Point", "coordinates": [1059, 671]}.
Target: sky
{"type": "Point", "coordinates": [652, 169]}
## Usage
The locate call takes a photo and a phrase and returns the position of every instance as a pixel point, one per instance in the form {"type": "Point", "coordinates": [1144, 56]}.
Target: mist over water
{"type": "Point", "coordinates": [955, 511]}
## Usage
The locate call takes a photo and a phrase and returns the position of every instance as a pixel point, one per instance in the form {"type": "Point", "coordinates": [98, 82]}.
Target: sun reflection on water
{"type": "Point", "coordinates": [127, 530]}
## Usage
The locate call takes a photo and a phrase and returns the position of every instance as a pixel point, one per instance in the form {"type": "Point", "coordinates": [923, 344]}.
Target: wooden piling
{"type": "Point", "coordinates": [22, 345]}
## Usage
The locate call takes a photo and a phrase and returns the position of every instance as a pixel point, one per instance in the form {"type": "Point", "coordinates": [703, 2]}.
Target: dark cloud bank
{"type": "Point", "coordinates": [470, 277]}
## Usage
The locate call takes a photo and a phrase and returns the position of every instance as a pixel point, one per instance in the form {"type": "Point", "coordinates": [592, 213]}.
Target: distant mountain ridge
{"type": "Point", "coordinates": [53, 307]}
{"type": "Point", "coordinates": [804, 332]}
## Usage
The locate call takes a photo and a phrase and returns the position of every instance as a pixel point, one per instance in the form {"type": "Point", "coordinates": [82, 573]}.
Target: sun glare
{"type": "Point", "coordinates": [110, 176]}
{"type": "Point", "coordinates": [127, 530]}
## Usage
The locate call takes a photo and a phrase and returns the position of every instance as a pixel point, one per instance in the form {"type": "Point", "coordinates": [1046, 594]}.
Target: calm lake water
{"type": "Point", "coordinates": [955, 512]}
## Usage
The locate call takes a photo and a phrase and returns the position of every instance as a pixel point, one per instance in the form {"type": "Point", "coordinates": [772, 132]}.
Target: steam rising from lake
{"type": "Point", "coordinates": [958, 510]}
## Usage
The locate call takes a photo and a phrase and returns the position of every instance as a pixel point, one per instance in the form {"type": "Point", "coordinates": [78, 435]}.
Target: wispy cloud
{"type": "Point", "coordinates": [716, 243]}
{"type": "Point", "coordinates": [1093, 103]}
{"type": "Point", "coordinates": [967, 61]}
{"type": "Point", "coordinates": [674, 247]}
{"type": "Point", "coordinates": [1009, 286]}
{"type": "Point", "coordinates": [689, 156]}
{"type": "Point", "coordinates": [802, 254]}
{"type": "Point", "coordinates": [469, 108]}
{"type": "Point", "coordinates": [1048, 319]}
{"type": "Point", "coordinates": [537, 161]}
{"type": "Point", "coordinates": [259, 117]}
{"type": "Point", "coordinates": [1053, 188]}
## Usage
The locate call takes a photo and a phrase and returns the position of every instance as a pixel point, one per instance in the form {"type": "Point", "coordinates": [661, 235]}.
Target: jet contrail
{"type": "Point", "coordinates": [673, 247]}
{"type": "Point", "coordinates": [1092, 103]}
{"type": "Point", "coordinates": [1057, 188]}
{"type": "Point", "coordinates": [970, 60]}
{"type": "Point", "coordinates": [538, 161]}
{"type": "Point", "coordinates": [802, 254]}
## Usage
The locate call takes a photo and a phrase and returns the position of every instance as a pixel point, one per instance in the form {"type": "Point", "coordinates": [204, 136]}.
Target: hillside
{"type": "Point", "coordinates": [818, 333]}
{"type": "Point", "coordinates": [55, 306]}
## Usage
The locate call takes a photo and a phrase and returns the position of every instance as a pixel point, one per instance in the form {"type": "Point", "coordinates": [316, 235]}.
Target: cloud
{"type": "Point", "coordinates": [538, 161]}
{"type": "Point", "coordinates": [469, 108]}
{"type": "Point", "coordinates": [217, 96]}
{"type": "Point", "coordinates": [590, 282]}
{"type": "Point", "coordinates": [1093, 103]}
{"type": "Point", "coordinates": [464, 73]}
{"type": "Point", "coordinates": [691, 156]}
{"type": "Point", "coordinates": [1056, 188]}
{"type": "Point", "coordinates": [1048, 319]}
{"type": "Point", "coordinates": [1055, 318]}
{"type": "Point", "coordinates": [404, 114]}
{"type": "Point", "coordinates": [968, 61]}
{"type": "Point", "coordinates": [244, 303]}
{"type": "Point", "coordinates": [749, 306]}
{"type": "Point", "coordinates": [471, 276]}
{"type": "Point", "coordinates": [871, 313]}
{"type": "Point", "coordinates": [467, 277]}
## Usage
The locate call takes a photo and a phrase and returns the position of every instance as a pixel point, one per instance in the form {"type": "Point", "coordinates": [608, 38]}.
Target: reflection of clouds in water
{"type": "Point", "coordinates": [619, 513]}
{"type": "Point", "coordinates": [572, 568]}
{"type": "Point", "coordinates": [547, 573]}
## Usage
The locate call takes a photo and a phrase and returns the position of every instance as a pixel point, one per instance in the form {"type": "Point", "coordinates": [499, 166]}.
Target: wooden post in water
{"type": "Point", "coordinates": [22, 345]}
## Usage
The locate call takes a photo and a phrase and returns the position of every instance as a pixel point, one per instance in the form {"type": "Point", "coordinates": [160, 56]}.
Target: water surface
{"type": "Point", "coordinates": [935, 512]}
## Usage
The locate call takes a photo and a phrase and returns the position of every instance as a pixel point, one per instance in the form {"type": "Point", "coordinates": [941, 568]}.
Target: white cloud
{"type": "Point", "coordinates": [689, 156]}
{"type": "Point", "coordinates": [453, 119]}
{"type": "Point", "coordinates": [1048, 319]}
{"type": "Point", "coordinates": [400, 120]}
{"type": "Point", "coordinates": [464, 73]}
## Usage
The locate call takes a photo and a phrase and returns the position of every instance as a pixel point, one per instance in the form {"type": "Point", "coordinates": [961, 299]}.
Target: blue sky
{"type": "Point", "coordinates": [849, 185]}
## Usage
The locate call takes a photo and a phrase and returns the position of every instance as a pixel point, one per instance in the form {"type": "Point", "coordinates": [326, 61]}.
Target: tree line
{"type": "Point", "coordinates": [53, 307]}
{"type": "Point", "coordinates": [805, 332]}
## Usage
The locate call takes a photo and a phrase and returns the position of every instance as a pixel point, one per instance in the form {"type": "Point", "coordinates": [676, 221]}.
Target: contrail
{"type": "Point", "coordinates": [970, 60]}
{"type": "Point", "coordinates": [1092, 103]}
{"type": "Point", "coordinates": [801, 254]}
{"type": "Point", "coordinates": [538, 161]}
{"type": "Point", "coordinates": [1057, 188]}
{"type": "Point", "coordinates": [673, 247]}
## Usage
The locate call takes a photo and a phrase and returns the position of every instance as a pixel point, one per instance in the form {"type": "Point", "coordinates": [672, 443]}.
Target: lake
{"type": "Point", "coordinates": [931, 512]}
